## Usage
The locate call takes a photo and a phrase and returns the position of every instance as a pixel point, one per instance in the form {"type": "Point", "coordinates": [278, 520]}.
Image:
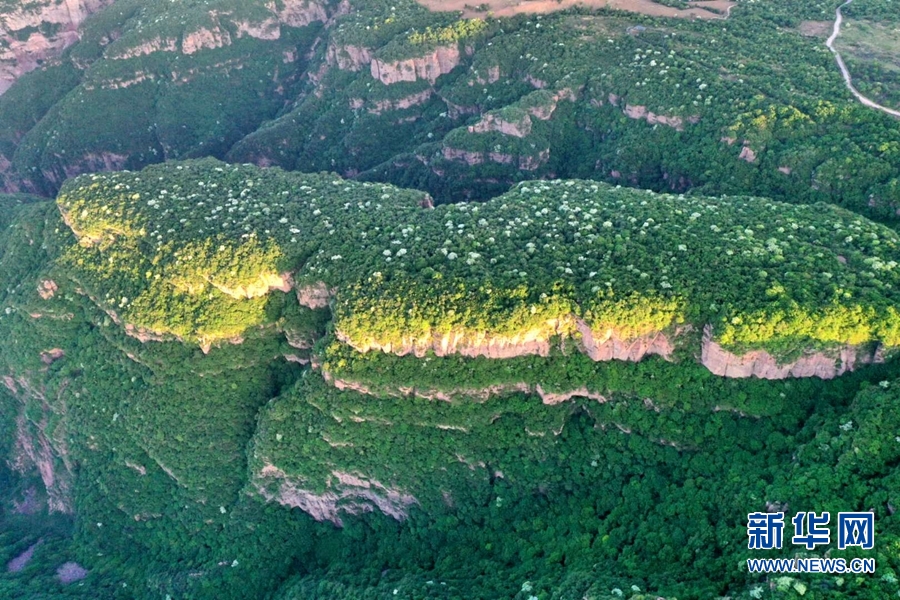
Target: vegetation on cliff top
{"type": "Point", "coordinates": [649, 489]}
{"type": "Point", "coordinates": [192, 249]}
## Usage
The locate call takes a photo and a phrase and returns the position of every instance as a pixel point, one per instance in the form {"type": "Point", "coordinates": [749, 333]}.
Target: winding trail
{"type": "Point", "coordinates": [839, 19]}
{"type": "Point", "coordinates": [722, 17]}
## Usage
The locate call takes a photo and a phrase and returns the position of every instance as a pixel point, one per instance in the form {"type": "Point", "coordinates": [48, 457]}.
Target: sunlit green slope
{"type": "Point", "coordinates": [197, 250]}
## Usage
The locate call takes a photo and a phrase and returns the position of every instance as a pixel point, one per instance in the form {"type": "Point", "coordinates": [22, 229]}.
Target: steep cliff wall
{"type": "Point", "coordinates": [408, 280]}
{"type": "Point", "coordinates": [429, 67]}
{"type": "Point", "coordinates": [35, 31]}
{"type": "Point", "coordinates": [347, 493]}
{"type": "Point", "coordinates": [759, 363]}
{"type": "Point", "coordinates": [40, 447]}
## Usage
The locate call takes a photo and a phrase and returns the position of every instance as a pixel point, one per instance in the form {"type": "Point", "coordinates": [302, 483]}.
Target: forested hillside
{"type": "Point", "coordinates": [193, 380]}
{"type": "Point", "coordinates": [308, 299]}
{"type": "Point", "coordinates": [751, 104]}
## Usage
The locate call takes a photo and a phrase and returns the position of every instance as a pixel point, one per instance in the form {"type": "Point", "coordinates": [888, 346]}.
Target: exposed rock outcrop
{"type": "Point", "coordinates": [759, 363]}
{"type": "Point", "coordinates": [381, 106]}
{"type": "Point", "coordinates": [491, 76]}
{"type": "Point", "coordinates": [205, 38]}
{"type": "Point", "coordinates": [348, 58]}
{"type": "Point", "coordinates": [264, 283]}
{"type": "Point", "coordinates": [440, 61]}
{"type": "Point", "coordinates": [47, 289]}
{"type": "Point", "coordinates": [156, 44]}
{"type": "Point", "coordinates": [534, 162]}
{"type": "Point", "coordinates": [70, 572]}
{"type": "Point", "coordinates": [51, 27]}
{"type": "Point", "coordinates": [559, 397]}
{"type": "Point", "coordinates": [472, 158]}
{"type": "Point", "coordinates": [454, 111]}
{"type": "Point", "coordinates": [300, 13]}
{"type": "Point", "coordinates": [607, 345]}
{"type": "Point", "coordinates": [473, 343]}
{"type": "Point", "coordinates": [479, 394]}
{"type": "Point", "coordinates": [29, 503]}
{"type": "Point", "coordinates": [292, 13]}
{"type": "Point", "coordinates": [48, 357]}
{"type": "Point", "coordinates": [747, 154]}
{"type": "Point", "coordinates": [494, 122]}
{"type": "Point", "coordinates": [267, 29]}
{"type": "Point", "coordinates": [314, 296]}
{"type": "Point", "coordinates": [347, 493]}
{"type": "Point", "coordinates": [534, 81]}
{"type": "Point", "coordinates": [37, 447]}
{"type": "Point", "coordinates": [22, 560]}
{"type": "Point", "coordinates": [466, 156]}
{"type": "Point", "coordinates": [520, 124]}
{"type": "Point", "coordinates": [89, 163]}
{"type": "Point", "coordinates": [641, 112]}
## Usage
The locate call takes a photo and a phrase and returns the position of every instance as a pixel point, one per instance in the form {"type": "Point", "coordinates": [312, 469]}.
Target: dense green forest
{"type": "Point", "coordinates": [391, 92]}
{"type": "Point", "coordinates": [235, 470]}
{"type": "Point", "coordinates": [352, 300]}
{"type": "Point", "coordinates": [191, 250]}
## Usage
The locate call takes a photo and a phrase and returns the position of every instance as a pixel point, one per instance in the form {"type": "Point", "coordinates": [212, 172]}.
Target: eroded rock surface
{"type": "Point", "coordinates": [22, 560]}
{"type": "Point", "coordinates": [440, 61]}
{"type": "Point", "coordinates": [607, 345]}
{"type": "Point", "coordinates": [33, 32]}
{"type": "Point", "coordinates": [347, 493]}
{"type": "Point", "coordinates": [759, 363]}
{"type": "Point", "coordinates": [70, 572]}
{"type": "Point", "coordinates": [641, 112]}
{"type": "Point", "coordinates": [37, 447]}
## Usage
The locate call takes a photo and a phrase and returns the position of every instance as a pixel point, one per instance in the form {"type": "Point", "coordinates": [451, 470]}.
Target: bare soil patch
{"type": "Point", "coordinates": [820, 29]}
{"type": "Point", "coordinates": [704, 9]}
{"type": "Point", "coordinates": [71, 571]}
{"type": "Point", "coordinates": [22, 560]}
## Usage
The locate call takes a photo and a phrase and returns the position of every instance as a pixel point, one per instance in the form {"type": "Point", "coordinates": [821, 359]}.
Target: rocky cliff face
{"type": "Point", "coordinates": [347, 493]}
{"type": "Point", "coordinates": [300, 13]}
{"type": "Point", "coordinates": [466, 343]}
{"type": "Point", "coordinates": [314, 296]}
{"type": "Point", "coordinates": [492, 122]}
{"type": "Point", "coordinates": [440, 61]}
{"type": "Point", "coordinates": [293, 14]}
{"type": "Point", "coordinates": [380, 106]}
{"type": "Point", "coordinates": [759, 363]}
{"type": "Point", "coordinates": [205, 39]}
{"type": "Point", "coordinates": [33, 32]}
{"type": "Point", "coordinates": [429, 67]}
{"type": "Point", "coordinates": [471, 158]}
{"type": "Point", "coordinates": [608, 345]}
{"type": "Point", "coordinates": [641, 112]}
{"type": "Point", "coordinates": [348, 58]}
{"type": "Point", "coordinates": [479, 394]}
{"type": "Point", "coordinates": [264, 283]}
{"type": "Point", "coordinates": [38, 447]}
